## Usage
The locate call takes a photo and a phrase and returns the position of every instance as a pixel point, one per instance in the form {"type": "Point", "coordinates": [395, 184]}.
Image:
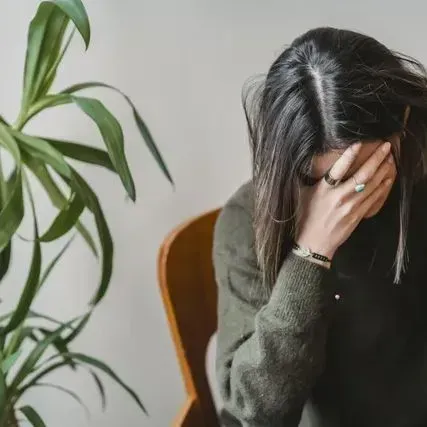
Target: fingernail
{"type": "Point", "coordinates": [388, 182]}
{"type": "Point", "coordinates": [390, 159]}
{"type": "Point", "coordinates": [386, 147]}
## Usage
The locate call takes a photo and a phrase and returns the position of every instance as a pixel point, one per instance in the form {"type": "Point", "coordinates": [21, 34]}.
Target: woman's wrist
{"type": "Point", "coordinates": [311, 256]}
{"type": "Point", "coordinates": [313, 251]}
{"type": "Point", "coordinates": [324, 249]}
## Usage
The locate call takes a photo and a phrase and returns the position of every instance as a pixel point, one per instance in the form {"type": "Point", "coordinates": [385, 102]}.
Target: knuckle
{"type": "Point", "coordinates": [340, 201]}
{"type": "Point", "coordinates": [347, 209]}
{"type": "Point", "coordinates": [362, 178]}
{"type": "Point", "coordinates": [322, 187]}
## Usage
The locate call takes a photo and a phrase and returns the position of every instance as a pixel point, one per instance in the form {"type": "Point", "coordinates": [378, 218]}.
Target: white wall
{"type": "Point", "coordinates": [183, 62]}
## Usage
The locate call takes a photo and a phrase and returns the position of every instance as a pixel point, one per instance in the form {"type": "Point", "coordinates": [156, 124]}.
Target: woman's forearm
{"type": "Point", "coordinates": [267, 373]}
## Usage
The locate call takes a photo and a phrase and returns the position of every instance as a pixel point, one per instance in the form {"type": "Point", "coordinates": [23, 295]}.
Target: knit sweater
{"type": "Point", "coordinates": [359, 360]}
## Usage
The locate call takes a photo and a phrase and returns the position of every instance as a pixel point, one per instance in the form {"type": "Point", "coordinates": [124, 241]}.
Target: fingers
{"type": "Point", "coordinates": [386, 170]}
{"type": "Point", "coordinates": [367, 171]}
{"type": "Point", "coordinates": [343, 164]}
{"type": "Point", "coordinates": [373, 198]}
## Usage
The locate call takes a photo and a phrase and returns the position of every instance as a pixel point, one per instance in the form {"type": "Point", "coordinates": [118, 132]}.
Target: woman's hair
{"type": "Point", "coordinates": [327, 90]}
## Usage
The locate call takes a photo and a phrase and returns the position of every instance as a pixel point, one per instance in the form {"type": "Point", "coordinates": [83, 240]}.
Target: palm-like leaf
{"type": "Point", "coordinates": [56, 196]}
{"type": "Point", "coordinates": [13, 208]}
{"type": "Point", "coordinates": [82, 153]}
{"type": "Point", "coordinates": [32, 416]}
{"type": "Point", "coordinates": [68, 392]}
{"type": "Point", "coordinates": [142, 126]}
{"type": "Point", "coordinates": [3, 393]}
{"type": "Point", "coordinates": [45, 39]}
{"type": "Point", "coordinates": [30, 288]}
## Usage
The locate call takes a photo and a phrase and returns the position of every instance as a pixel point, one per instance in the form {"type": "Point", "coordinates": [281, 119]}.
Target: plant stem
{"type": "Point", "coordinates": [21, 120]}
{"type": "Point", "coordinates": [12, 346]}
{"type": "Point", "coordinates": [9, 417]}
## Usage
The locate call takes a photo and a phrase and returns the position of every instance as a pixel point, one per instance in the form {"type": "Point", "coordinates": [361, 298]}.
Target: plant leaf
{"type": "Point", "coordinates": [36, 315]}
{"type": "Point", "coordinates": [142, 127]}
{"type": "Point", "coordinates": [81, 187]}
{"type": "Point", "coordinates": [45, 38]}
{"type": "Point", "coordinates": [51, 74]}
{"type": "Point", "coordinates": [13, 212]}
{"type": "Point", "coordinates": [3, 317]}
{"type": "Point", "coordinates": [83, 153]}
{"type": "Point", "coordinates": [43, 151]}
{"type": "Point", "coordinates": [112, 134]}
{"type": "Point", "coordinates": [3, 392]}
{"type": "Point", "coordinates": [36, 37]}
{"type": "Point", "coordinates": [13, 207]}
{"type": "Point", "coordinates": [57, 198]}
{"type": "Point", "coordinates": [41, 374]}
{"type": "Point", "coordinates": [47, 101]}
{"type": "Point", "coordinates": [109, 127]}
{"type": "Point", "coordinates": [61, 346]}
{"type": "Point", "coordinates": [101, 389]}
{"type": "Point", "coordinates": [70, 393]}
{"type": "Point", "coordinates": [149, 141]}
{"type": "Point", "coordinates": [32, 416]}
{"type": "Point", "coordinates": [90, 199]}
{"type": "Point", "coordinates": [5, 257]}
{"type": "Point", "coordinates": [84, 232]}
{"type": "Point", "coordinates": [80, 326]}
{"type": "Point", "coordinates": [17, 338]}
{"type": "Point", "coordinates": [107, 370]}
{"type": "Point", "coordinates": [36, 354]}
{"type": "Point", "coordinates": [53, 263]}
{"type": "Point", "coordinates": [76, 11]}
{"type": "Point", "coordinates": [10, 361]}
{"type": "Point", "coordinates": [31, 285]}
{"type": "Point", "coordinates": [65, 220]}
{"type": "Point", "coordinates": [56, 25]}
{"type": "Point", "coordinates": [5, 254]}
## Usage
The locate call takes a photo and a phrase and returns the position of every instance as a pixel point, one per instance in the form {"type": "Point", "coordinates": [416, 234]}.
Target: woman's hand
{"type": "Point", "coordinates": [329, 214]}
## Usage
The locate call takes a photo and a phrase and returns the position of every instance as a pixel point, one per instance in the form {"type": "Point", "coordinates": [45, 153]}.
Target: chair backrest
{"type": "Point", "coordinates": [189, 293]}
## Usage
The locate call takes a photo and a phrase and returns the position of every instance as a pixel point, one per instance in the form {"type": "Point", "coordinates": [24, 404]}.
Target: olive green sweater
{"type": "Point", "coordinates": [272, 346]}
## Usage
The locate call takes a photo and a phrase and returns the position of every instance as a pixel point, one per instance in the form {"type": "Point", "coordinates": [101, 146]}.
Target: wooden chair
{"type": "Point", "coordinates": [189, 293]}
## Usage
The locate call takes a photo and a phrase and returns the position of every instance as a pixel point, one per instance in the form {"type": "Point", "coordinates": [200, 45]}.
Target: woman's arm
{"type": "Point", "coordinates": [270, 347]}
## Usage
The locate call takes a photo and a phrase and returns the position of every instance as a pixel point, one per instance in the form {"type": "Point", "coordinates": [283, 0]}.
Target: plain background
{"type": "Point", "coordinates": [183, 63]}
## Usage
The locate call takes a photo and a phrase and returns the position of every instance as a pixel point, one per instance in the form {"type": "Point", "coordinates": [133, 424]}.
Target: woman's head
{"type": "Point", "coordinates": [329, 89]}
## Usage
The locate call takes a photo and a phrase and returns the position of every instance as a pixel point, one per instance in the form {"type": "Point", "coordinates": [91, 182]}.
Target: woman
{"type": "Point", "coordinates": [321, 260]}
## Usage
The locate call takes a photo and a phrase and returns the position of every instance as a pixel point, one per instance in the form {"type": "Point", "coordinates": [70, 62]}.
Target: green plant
{"type": "Point", "coordinates": [45, 159]}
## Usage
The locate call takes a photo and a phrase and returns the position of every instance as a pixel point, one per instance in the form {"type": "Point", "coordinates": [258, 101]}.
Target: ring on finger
{"type": "Point", "coordinates": [331, 180]}
{"type": "Point", "coordinates": [358, 188]}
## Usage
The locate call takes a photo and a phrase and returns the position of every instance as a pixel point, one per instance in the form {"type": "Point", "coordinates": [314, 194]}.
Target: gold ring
{"type": "Point", "coordinates": [330, 180]}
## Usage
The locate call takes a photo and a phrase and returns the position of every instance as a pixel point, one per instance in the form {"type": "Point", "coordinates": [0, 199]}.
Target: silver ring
{"type": "Point", "coordinates": [330, 180]}
{"type": "Point", "coordinates": [358, 188]}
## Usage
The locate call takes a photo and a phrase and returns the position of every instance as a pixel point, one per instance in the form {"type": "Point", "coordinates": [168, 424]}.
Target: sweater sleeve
{"type": "Point", "coordinates": [271, 345]}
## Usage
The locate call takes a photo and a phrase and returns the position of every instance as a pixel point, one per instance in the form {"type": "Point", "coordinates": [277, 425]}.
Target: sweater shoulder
{"type": "Point", "coordinates": [242, 198]}
{"type": "Point", "coordinates": [234, 227]}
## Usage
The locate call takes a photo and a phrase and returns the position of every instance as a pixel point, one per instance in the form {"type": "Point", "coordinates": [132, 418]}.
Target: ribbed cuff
{"type": "Point", "coordinates": [300, 290]}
